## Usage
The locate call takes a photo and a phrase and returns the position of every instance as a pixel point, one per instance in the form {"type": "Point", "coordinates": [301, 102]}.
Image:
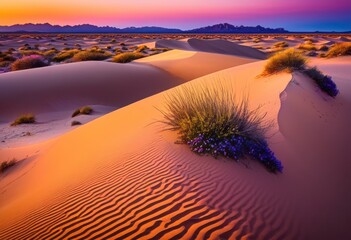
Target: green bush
{"type": "Point", "coordinates": [24, 119]}
{"type": "Point", "coordinates": [127, 57]}
{"type": "Point", "coordinates": [287, 60]}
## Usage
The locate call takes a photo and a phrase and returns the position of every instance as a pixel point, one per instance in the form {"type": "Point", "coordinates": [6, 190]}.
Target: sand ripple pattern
{"type": "Point", "coordinates": [156, 194]}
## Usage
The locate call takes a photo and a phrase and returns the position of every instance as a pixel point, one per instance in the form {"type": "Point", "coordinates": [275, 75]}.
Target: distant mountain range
{"type": "Point", "coordinates": [228, 28]}
{"type": "Point", "coordinates": [87, 28]}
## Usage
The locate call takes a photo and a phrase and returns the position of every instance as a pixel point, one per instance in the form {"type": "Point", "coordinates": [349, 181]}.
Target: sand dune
{"type": "Point", "coordinates": [66, 87]}
{"type": "Point", "coordinates": [189, 65]}
{"type": "Point", "coordinates": [213, 46]}
{"type": "Point", "coordinates": [127, 179]}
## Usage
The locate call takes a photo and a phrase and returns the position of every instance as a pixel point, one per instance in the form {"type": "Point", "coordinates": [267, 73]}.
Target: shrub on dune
{"type": "Point", "coordinates": [324, 82]}
{"type": "Point", "coordinates": [127, 57]}
{"type": "Point", "coordinates": [91, 55]}
{"type": "Point", "coordinates": [287, 60]}
{"type": "Point", "coordinates": [6, 165]}
{"type": "Point", "coordinates": [33, 61]}
{"type": "Point", "coordinates": [141, 48]}
{"type": "Point", "coordinates": [281, 45]}
{"type": "Point", "coordinates": [86, 110]}
{"type": "Point", "coordinates": [24, 119]}
{"type": "Point", "coordinates": [307, 46]}
{"type": "Point", "coordinates": [75, 123]}
{"type": "Point", "coordinates": [211, 121]}
{"type": "Point", "coordinates": [64, 55]}
{"type": "Point", "coordinates": [339, 49]}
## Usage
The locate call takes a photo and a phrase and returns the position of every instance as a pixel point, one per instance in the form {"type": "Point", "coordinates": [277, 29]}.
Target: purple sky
{"type": "Point", "coordinates": [297, 15]}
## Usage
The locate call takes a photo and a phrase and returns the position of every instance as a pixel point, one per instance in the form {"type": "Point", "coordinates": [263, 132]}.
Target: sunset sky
{"type": "Point", "coordinates": [297, 15]}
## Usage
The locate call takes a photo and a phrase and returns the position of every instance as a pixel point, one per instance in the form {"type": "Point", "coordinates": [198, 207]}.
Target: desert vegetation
{"type": "Point", "coordinates": [290, 60]}
{"type": "Point", "coordinates": [24, 119]}
{"type": "Point", "coordinates": [287, 60]}
{"type": "Point", "coordinates": [75, 123]}
{"type": "Point", "coordinates": [339, 49]}
{"type": "Point", "coordinates": [281, 45]}
{"type": "Point", "coordinates": [27, 62]}
{"type": "Point", "coordinates": [6, 165]}
{"type": "Point", "coordinates": [86, 110]}
{"type": "Point", "coordinates": [127, 57]}
{"type": "Point", "coordinates": [211, 120]}
{"type": "Point", "coordinates": [91, 55]}
{"type": "Point", "coordinates": [324, 82]}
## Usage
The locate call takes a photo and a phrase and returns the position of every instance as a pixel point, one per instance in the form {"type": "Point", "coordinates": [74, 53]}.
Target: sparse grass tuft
{"type": "Point", "coordinates": [64, 55]}
{"type": "Point", "coordinates": [91, 55]}
{"type": "Point", "coordinates": [339, 49]}
{"type": "Point", "coordinates": [212, 121]}
{"type": "Point", "coordinates": [24, 119]}
{"type": "Point", "coordinates": [324, 82]}
{"type": "Point", "coordinates": [6, 165]}
{"type": "Point", "coordinates": [33, 61]}
{"type": "Point", "coordinates": [141, 48]}
{"type": "Point", "coordinates": [75, 123]}
{"type": "Point", "coordinates": [281, 45]}
{"type": "Point", "coordinates": [307, 46]}
{"type": "Point", "coordinates": [127, 57]}
{"type": "Point", "coordinates": [287, 60]}
{"type": "Point", "coordinates": [86, 110]}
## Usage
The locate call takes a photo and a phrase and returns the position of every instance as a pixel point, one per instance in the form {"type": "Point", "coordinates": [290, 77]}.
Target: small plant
{"type": "Point", "coordinates": [24, 119]}
{"type": "Point", "coordinates": [307, 46]}
{"type": "Point", "coordinates": [83, 110]}
{"type": "Point", "coordinates": [211, 121]}
{"type": "Point", "coordinates": [33, 61]}
{"type": "Point", "coordinates": [281, 45]}
{"type": "Point", "coordinates": [141, 48]}
{"type": "Point", "coordinates": [91, 55]}
{"type": "Point", "coordinates": [287, 60]}
{"type": "Point", "coordinates": [64, 55]}
{"type": "Point", "coordinates": [6, 165]}
{"type": "Point", "coordinates": [323, 48]}
{"type": "Point", "coordinates": [75, 123]}
{"type": "Point", "coordinates": [325, 82]}
{"type": "Point", "coordinates": [339, 49]}
{"type": "Point", "coordinates": [127, 57]}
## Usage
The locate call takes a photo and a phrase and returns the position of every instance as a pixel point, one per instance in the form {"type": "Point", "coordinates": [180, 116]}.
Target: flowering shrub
{"type": "Point", "coordinates": [325, 82]}
{"type": "Point", "coordinates": [211, 121]}
{"type": "Point", "coordinates": [32, 61]}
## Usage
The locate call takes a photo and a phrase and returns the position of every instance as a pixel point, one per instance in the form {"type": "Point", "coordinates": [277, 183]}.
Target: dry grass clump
{"type": "Point", "coordinates": [86, 110]}
{"type": "Point", "coordinates": [127, 57]}
{"type": "Point", "coordinates": [24, 119]}
{"type": "Point", "coordinates": [91, 55]}
{"type": "Point", "coordinates": [27, 62]}
{"type": "Point", "coordinates": [281, 45]}
{"type": "Point", "coordinates": [141, 48]}
{"type": "Point", "coordinates": [339, 49]}
{"type": "Point", "coordinates": [64, 55]}
{"type": "Point", "coordinates": [160, 49]}
{"type": "Point", "coordinates": [211, 120]}
{"type": "Point", "coordinates": [6, 165]}
{"type": "Point", "coordinates": [75, 123]}
{"type": "Point", "coordinates": [287, 60]}
{"type": "Point", "coordinates": [307, 46]}
{"type": "Point", "coordinates": [323, 48]}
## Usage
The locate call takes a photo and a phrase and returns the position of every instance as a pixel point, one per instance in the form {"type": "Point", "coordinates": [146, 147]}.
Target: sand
{"type": "Point", "coordinates": [121, 177]}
